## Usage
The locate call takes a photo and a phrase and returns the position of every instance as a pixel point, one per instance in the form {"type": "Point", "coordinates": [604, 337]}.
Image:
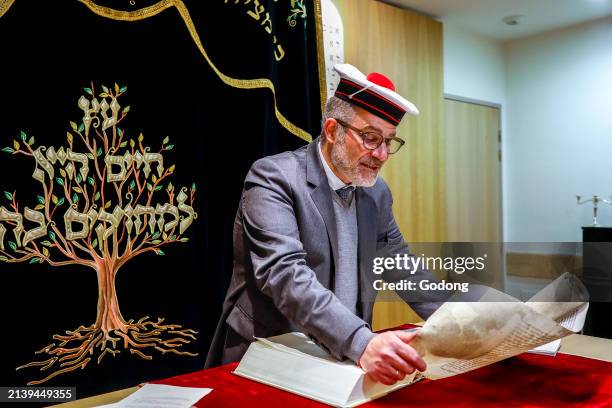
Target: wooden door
{"type": "Point", "coordinates": [473, 185]}
{"type": "Point", "coordinates": [473, 172]}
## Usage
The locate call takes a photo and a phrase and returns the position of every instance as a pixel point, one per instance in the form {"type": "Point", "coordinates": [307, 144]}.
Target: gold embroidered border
{"type": "Point", "coordinates": [184, 13]}
{"type": "Point", "coordinates": [5, 5]}
{"type": "Point", "coordinates": [320, 53]}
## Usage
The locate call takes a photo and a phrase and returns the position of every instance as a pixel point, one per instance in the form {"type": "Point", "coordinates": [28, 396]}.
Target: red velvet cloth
{"type": "Point", "coordinates": [524, 381]}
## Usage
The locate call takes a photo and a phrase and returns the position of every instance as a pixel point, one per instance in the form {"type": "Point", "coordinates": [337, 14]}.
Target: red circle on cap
{"type": "Point", "coordinates": [381, 80]}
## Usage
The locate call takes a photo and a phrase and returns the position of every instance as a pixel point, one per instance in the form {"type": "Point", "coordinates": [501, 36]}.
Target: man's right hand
{"type": "Point", "coordinates": [388, 357]}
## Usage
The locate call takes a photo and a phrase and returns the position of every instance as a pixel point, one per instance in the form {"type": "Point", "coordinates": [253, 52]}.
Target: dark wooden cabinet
{"type": "Point", "coordinates": [597, 277]}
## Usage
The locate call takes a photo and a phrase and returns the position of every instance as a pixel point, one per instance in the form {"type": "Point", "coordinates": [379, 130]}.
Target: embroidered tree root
{"type": "Point", "coordinates": [76, 349]}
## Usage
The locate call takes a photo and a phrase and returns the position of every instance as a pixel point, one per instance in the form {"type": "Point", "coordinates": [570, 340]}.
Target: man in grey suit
{"type": "Point", "coordinates": [307, 228]}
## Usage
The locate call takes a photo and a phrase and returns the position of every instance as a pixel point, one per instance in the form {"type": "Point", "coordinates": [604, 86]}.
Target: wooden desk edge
{"type": "Point", "coordinates": [102, 399]}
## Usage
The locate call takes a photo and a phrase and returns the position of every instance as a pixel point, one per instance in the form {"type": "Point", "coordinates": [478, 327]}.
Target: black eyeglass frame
{"type": "Point", "coordinates": [380, 138]}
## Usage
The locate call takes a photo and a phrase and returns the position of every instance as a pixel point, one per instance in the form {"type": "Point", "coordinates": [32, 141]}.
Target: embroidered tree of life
{"type": "Point", "coordinates": [99, 207]}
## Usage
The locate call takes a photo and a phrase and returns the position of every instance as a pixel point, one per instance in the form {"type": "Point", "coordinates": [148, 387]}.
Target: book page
{"type": "Point", "coordinates": [463, 336]}
{"type": "Point", "coordinates": [560, 298]}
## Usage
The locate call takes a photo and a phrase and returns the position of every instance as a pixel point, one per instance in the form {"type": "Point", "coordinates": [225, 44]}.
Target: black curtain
{"type": "Point", "coordinates": [51, 52]}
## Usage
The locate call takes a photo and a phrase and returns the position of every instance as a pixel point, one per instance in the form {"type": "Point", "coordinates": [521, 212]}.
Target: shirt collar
{"type": "Point", "coordinates": [334, 182]}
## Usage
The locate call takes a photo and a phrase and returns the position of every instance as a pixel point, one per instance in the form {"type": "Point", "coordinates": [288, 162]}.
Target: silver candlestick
{"type": "Point", "coordinates": [596, 200]}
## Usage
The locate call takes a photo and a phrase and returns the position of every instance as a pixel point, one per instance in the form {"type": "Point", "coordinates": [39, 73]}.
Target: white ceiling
{"type": "Point", "coordinates": [484, 17]}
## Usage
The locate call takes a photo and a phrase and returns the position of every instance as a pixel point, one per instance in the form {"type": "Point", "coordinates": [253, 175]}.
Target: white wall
{"type": "Point", "coordinates": [559, 131]}
{"type": "Point", "coordinates": [474, 67]}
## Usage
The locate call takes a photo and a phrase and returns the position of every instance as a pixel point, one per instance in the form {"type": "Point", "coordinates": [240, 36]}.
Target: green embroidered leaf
{"type": "Point", "coordinates": [105, 89]}
{"type": "Point", "coordinates": [89, 156]}
{"type": "Point", "coordinates": [90, 180]}
{"type": "Point", "coordinates": [31, 141]}
{"type": "Point", "coordinates": [88, 90]}
{"type": "Point", "coordinates": [157, 241]}
{"type": "Point", "coordinates": [97, 196]}
{"type": "Point", "coordinates": [193, 187]}
{"type": "Point", "coordinates": [7, 150]}
{"type": "Point", "coordinates": [46, 243]}
{"type": "Point", "coordinates": [156, 235]}
{"type": "Point", "coordinates": [95, 242]}
{"type": "Point", "coordinates": [126, 109]}
{"type": "Point", "coordinates": [123, 144]}
{"type": "Point", "coordinates": [81, 127]}
{"type": "Point", "coordinates": [12, 245]}
{"type": "Point", "coordinates": [79, 178]}
{"type": "Point", "coordinates": [8, 195]}
{"type": "Point", "coordinates": [34, 260]}
{"type": "Point", "coordinates": [75, 198]}
{"type": "Point", "coordinates": [40, 199]}
{"type": "Point", "coordinates": [170, 147]}
{"type": "Point", "coordinates": [159, 187]}
{"type": "Point", "coordinates": [61, 201]}
{"type": "Point", "coordinates": [159, 252]}
{"type": "Point", "coordinates": [123, 89]}
{"type": "Point", "coordinates": [132, 184]}
{"type": "Point", "coordinates": [184, 239]}
{"type": "Point", "coordinates": [99, 152]}
{"type": "Point", "coordinates": [59, 181]}
{"type": "Point", "coordinates": [52, 234]}
{"type": "Point", "coordinates": [23, 135]}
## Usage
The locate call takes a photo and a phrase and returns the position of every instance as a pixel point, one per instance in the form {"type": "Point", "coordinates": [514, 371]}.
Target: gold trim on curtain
{"type": "Point", "coordinates": [5, 5]}
{"type": "Point", "coordinates": [162, 5]}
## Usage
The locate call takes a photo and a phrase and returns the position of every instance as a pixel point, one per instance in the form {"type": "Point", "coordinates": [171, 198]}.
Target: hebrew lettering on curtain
{"type": "Point", "coordinates": [127, 128]}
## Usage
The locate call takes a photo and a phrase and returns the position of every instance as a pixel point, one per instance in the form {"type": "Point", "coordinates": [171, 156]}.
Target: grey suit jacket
{"type": "Point", "coordinates": [285, 244]}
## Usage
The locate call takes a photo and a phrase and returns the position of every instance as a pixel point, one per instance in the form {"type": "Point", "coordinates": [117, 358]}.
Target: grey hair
{"type": "Point", "coordinates": [336, 108]}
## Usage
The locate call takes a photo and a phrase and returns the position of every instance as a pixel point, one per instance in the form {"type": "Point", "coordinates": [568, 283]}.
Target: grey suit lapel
{"type": "Point", "coordinates": [321, 193]}
{"type": "Point", "coordinates": [367, 230]}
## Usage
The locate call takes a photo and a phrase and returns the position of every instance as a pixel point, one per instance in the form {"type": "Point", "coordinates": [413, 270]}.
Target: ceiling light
{"type": "Point", "coordinates": [513, 20]}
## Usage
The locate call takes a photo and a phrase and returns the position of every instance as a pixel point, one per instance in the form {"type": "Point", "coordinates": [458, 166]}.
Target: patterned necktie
{"type": "Point", "coordinates": [345, 192]}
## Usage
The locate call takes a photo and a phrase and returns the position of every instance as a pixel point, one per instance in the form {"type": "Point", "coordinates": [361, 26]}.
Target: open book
{"type": "Point", "coordinates": [459, 337]}
{"type": "Point", "coordinates": [294, 363]}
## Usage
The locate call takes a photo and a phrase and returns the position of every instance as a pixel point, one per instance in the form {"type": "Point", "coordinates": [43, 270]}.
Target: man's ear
{"type": "Point", "coordinates": [329, 130]}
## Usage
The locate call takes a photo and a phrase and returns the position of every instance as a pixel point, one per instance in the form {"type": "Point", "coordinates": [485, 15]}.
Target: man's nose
{"type": "Point", "coordinates": [381, 152]}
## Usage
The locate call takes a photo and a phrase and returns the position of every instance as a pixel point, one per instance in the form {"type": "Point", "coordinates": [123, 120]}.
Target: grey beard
{"type": "Point", "coordinates": [341, 161]}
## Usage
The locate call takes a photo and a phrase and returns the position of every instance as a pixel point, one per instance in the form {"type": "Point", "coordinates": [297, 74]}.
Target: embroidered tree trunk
{"type": "Point", "coordinates": [109, 317]}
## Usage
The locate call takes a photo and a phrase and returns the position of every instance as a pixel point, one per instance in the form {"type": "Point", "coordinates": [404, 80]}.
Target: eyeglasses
{"type": "Point", "coordinates": [371, 140]}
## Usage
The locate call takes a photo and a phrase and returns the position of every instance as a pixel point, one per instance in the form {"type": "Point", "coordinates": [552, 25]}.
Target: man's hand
{"type": "Point", "coordinates": [388, 358]}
